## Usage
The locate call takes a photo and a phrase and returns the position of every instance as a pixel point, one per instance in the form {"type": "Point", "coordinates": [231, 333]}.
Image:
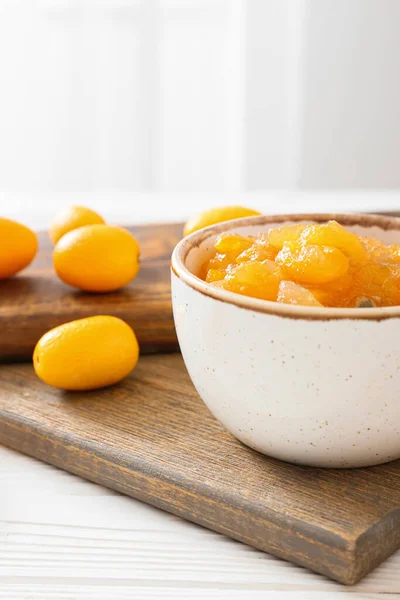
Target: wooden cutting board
{"type": "Point", "coordinates": [36, 300]}
{"type": "Point", "coordinates": [152, 438]}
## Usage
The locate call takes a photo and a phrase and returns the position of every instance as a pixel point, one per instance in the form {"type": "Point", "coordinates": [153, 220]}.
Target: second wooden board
{"type": "Point", "coordinates": [36, 300]}
{"type": "Point", "coordinates": [152, 438]}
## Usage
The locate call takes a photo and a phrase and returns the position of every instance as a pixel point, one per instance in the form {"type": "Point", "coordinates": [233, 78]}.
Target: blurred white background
{"type": "Point", "coordinates": [215, 97]}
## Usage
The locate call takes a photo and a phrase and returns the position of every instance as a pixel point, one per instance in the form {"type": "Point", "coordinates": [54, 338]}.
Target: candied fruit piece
{"type": "Point", "coordinates": [256, 279]}
{"type": "Point", "coordinates": [219, 261]}
{"type": "Point", "coordinates": [312, 264]}
{"type": "Point", "coordinates": [228, 247]}
{"type": "Point", "coordinates": [293, 293]}
{"type": "Point", "coordinates": [227, 243]}
{"type": "Point", "coordinates": [215, 275]}
{"type": "Point", "coordinates": [287, 233]}
{"type": "Point", "coordinates": [377, 251]}
{"type": "Point", "coordinates": [335, 235]}
{"type": "Point", "coordinates": [260, 250]}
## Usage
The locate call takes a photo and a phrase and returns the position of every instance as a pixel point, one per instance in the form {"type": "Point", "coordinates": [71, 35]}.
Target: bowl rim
{"type": "Point", "coordinates": [182, 249]}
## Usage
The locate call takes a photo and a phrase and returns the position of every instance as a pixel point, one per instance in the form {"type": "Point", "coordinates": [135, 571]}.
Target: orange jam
{"type": "Point", "coordinates": [308, 265]}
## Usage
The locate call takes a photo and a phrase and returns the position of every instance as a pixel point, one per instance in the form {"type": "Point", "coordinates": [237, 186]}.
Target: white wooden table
{"type": "Point", "coordinates": [65, 538]}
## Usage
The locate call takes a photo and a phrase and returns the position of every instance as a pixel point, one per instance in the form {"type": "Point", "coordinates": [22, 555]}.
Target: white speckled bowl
{"type": "Point", "coordinates": [314, 386]}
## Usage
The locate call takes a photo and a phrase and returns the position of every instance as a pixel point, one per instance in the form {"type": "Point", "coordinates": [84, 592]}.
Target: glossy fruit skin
{"type": "Point", "coordinates": [312, 264]}
{"type": "Point", "coordinates": [86, 354]}
{"type": "Point", "coordinates": [293, 293]}
{"type": "Point", "coordinates": [217, 215]}
{"type": "Point", "coordinates": [232, 244]}
{"type": "Point", "coordinates": [278, 236]}
{"type": "Point", "coordinates": [71, 218]}
{"type": "Point", "coordinates": [259, 250]}
{"type": "Point", "coordinates": [97, 258]}
{"type": "Point", "coordinates": [335, 235]}
{"type": "Point", "coordinates": [18, 247]}
{"type": "Point", "coordinates": [256, 279]}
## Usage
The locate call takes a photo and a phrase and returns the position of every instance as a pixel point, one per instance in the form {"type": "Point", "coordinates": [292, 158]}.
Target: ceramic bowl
{"type": "Point", "coordinates": [308, 385]}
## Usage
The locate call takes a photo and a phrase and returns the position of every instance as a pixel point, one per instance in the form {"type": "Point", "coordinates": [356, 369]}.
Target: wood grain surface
{"type": "Point", "coordinates": [75, 540]}
{"type": "Point", "coordinates": [152, 438]}
{"type": "Point", "coordinates": [36, 300]}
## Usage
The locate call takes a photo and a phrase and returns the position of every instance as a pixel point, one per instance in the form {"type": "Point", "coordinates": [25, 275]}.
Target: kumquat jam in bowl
{"type": "Point", "coordinates": [289, 327]}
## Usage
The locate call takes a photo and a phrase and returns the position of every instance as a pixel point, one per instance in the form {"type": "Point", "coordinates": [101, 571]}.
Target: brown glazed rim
{"type": "Point", "coordinates": [178, 265]}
